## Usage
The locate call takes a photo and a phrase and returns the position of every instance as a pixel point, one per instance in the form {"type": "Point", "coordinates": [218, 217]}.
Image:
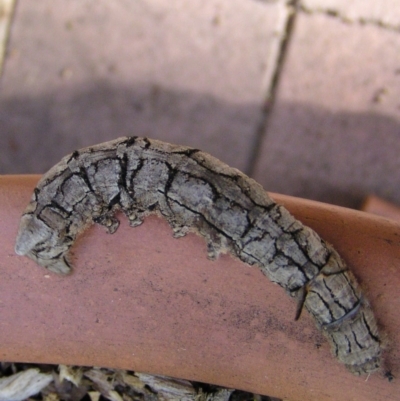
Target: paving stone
{"type": "Point", "coordinates": [334, 132]}
{"type": "Point", "coordinates": [383, 12]}
{"type": "Point", "coordinates": [82, 72]}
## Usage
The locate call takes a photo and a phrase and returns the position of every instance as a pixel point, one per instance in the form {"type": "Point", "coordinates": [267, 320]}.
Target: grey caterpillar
{"type": "Point", "coordinates": [195, 192]}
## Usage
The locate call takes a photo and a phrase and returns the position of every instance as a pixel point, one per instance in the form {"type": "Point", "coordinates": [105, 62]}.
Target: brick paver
{"type": "Point", "coordinates": [82, 72]}
{"type": "Point", "coordinates": [198, 73]}
{"type": "Point", "coordinates": [334, 132]}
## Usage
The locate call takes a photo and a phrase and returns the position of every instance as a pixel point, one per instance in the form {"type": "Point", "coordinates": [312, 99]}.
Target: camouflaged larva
{"type": "Point", "coordinates": [195, 192]}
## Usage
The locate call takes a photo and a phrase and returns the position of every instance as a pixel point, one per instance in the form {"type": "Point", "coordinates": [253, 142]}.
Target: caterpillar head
{"type": "Point", "coordinates": [42, 244]}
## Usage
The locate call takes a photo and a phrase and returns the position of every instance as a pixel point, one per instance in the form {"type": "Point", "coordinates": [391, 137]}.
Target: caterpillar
{"type": "Point", "coordinates": [196, 192]}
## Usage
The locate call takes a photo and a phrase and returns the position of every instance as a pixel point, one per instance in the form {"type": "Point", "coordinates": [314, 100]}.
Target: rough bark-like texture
{"type": "Point", "coordinates": [198, 193]}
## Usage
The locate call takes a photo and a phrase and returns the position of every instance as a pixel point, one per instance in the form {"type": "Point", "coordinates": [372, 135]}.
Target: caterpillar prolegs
{"type": "Point", "coordinates": [195, 192]}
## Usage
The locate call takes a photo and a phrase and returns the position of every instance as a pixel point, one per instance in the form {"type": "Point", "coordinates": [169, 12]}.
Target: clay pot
{"type": "Point", "coordinates": [140, 299]}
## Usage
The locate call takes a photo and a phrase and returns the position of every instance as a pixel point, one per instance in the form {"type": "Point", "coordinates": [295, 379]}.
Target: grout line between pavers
{"type": "Point", "coordinates": [6, 12]}
{"type": "Point", "coordinates": [277, 58]}
{"type": "Point", "coordinates": [346, 19]}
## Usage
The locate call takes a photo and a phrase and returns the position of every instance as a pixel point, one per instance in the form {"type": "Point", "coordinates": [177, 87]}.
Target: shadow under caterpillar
{"type": "Point", "coordinates": [196, 192]}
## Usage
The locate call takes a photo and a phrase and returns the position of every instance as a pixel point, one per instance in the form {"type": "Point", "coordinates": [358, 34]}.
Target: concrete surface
{"type": "Point", "coordinates": [202, 74]}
